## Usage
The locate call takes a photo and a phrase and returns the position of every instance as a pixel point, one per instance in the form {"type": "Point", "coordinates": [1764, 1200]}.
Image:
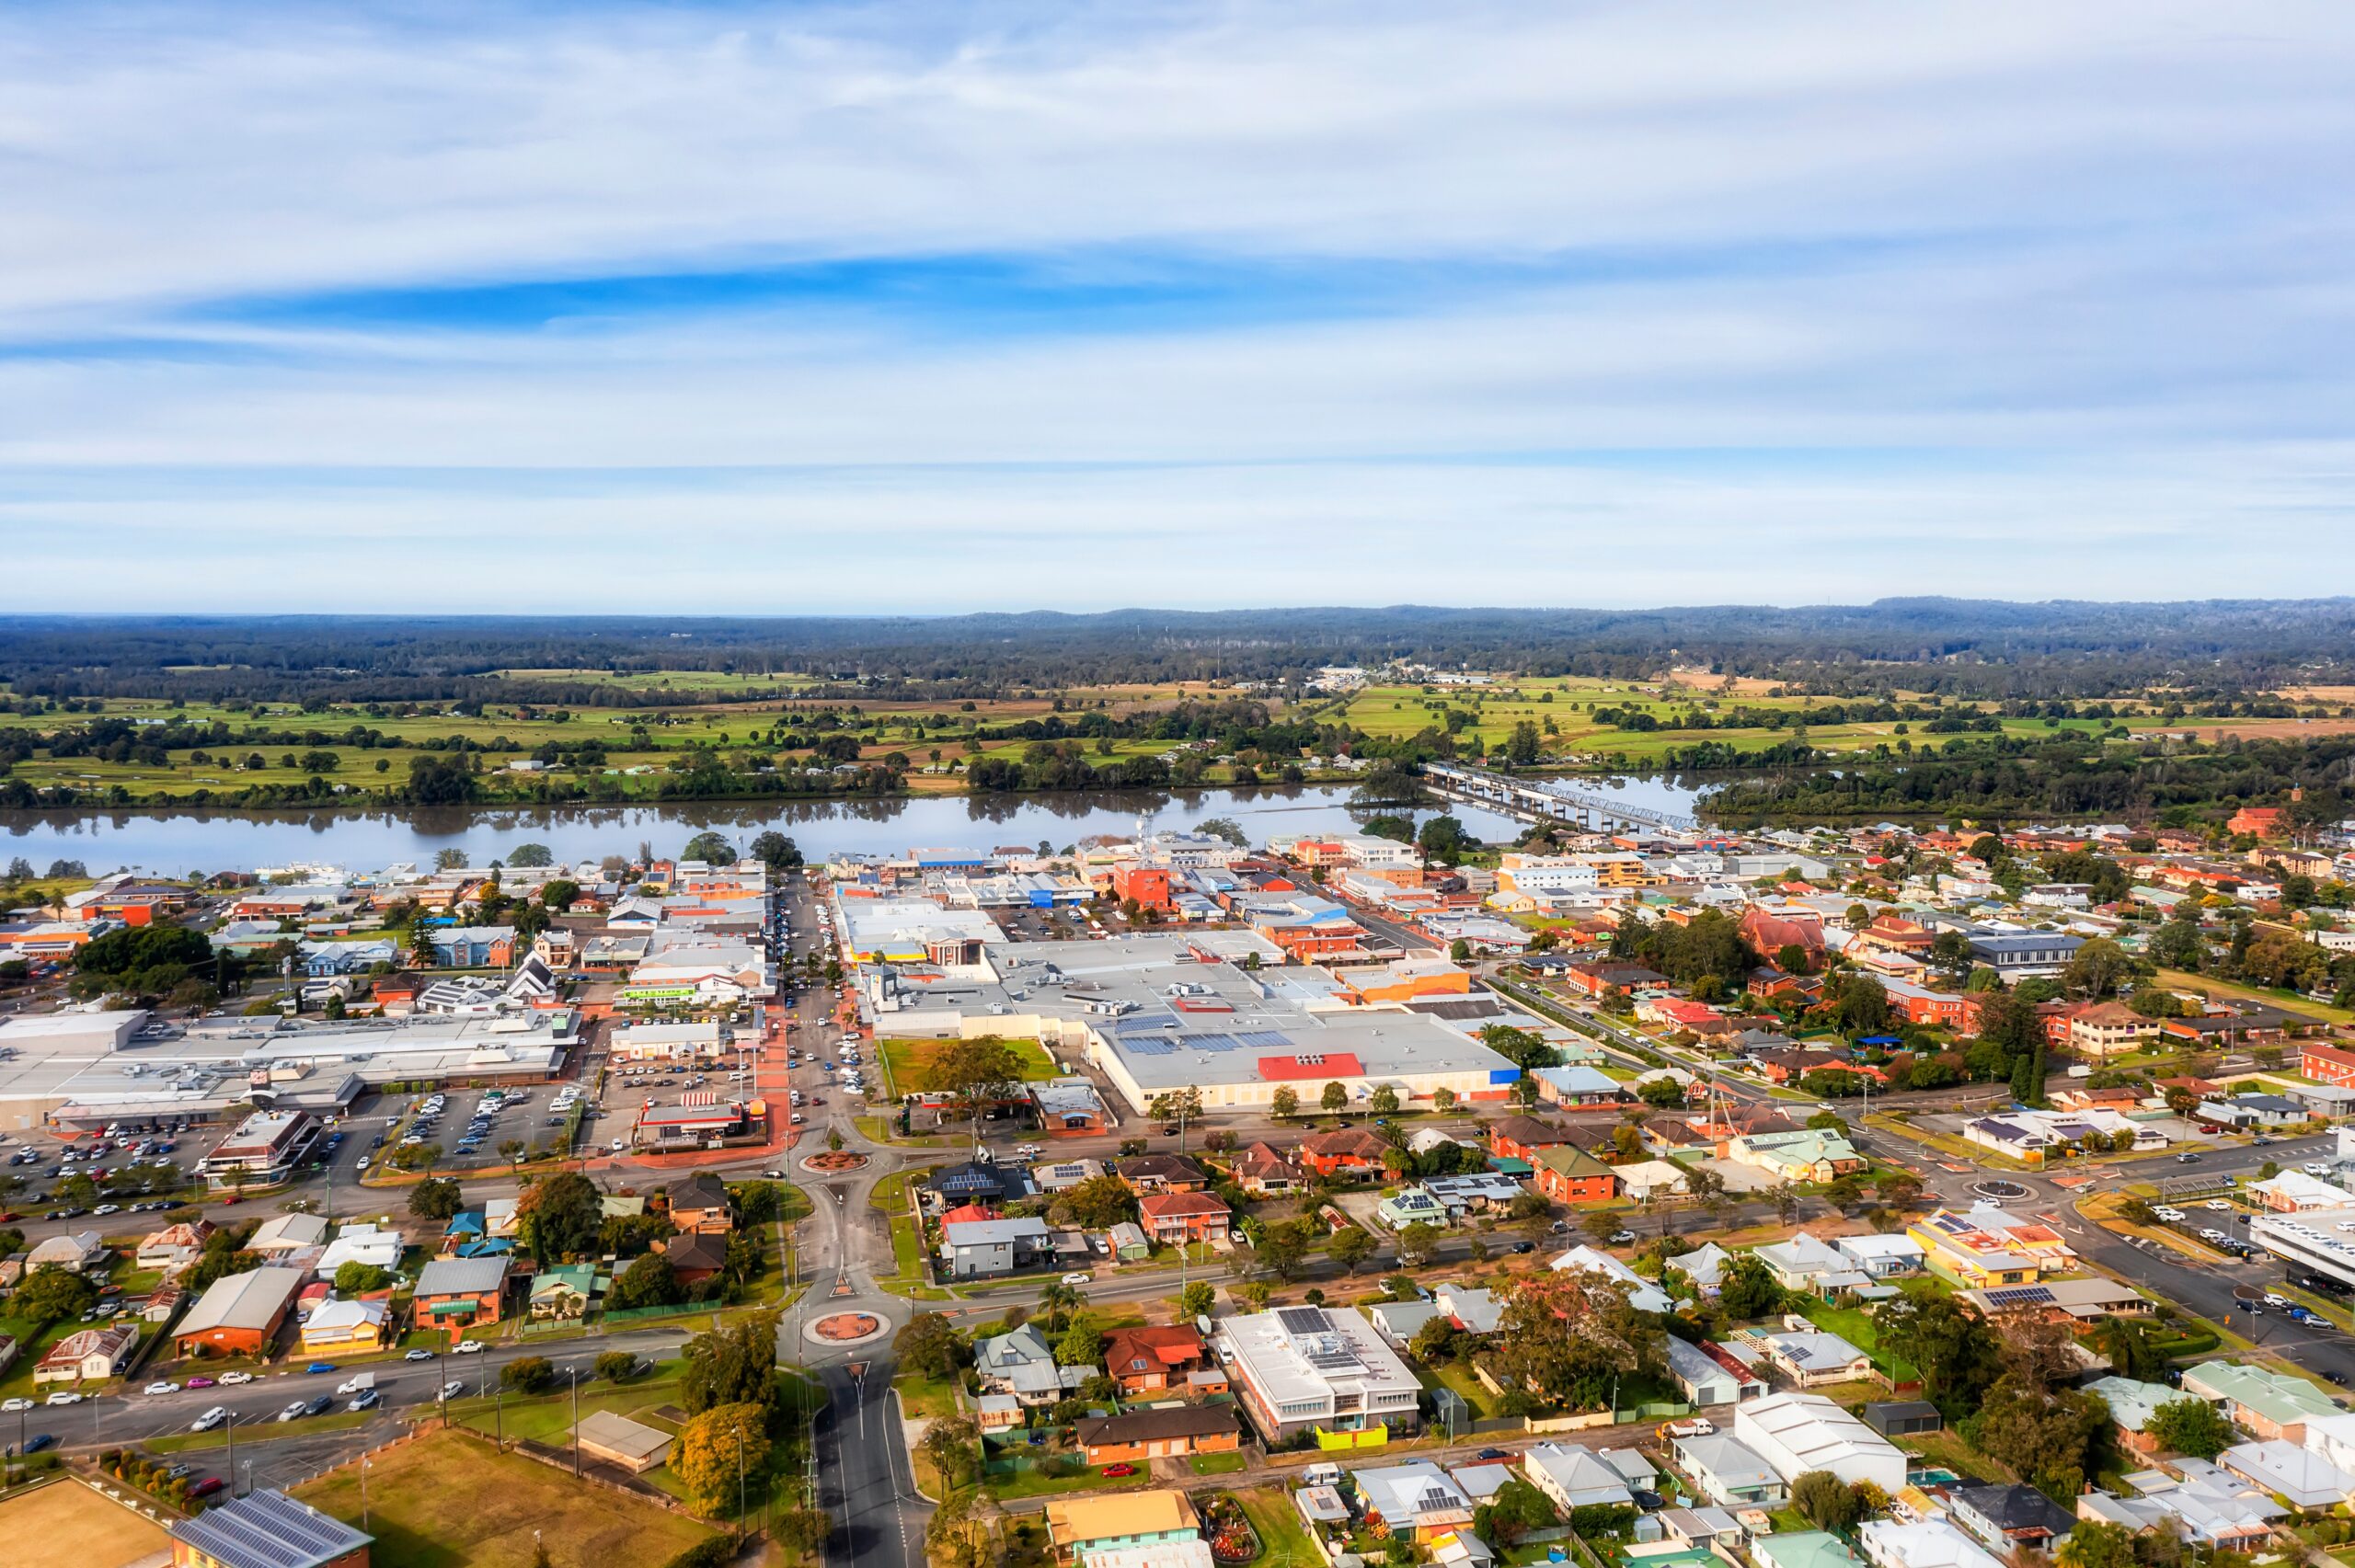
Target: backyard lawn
{"type": "Point", "coordinates": [1282, 1538]}
{"type": "Point", "coordinates": [449, 1501]}
{"type": "Point", "coordinates": [1851, 1324]}
{"type": "Point", "coordinates": [1217, 1464]}
{"type": "Point", "coordinates": [920, 1397]}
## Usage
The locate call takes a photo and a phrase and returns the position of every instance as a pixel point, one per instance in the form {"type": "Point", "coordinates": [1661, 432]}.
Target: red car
{"type": "Point", "coordinates": [207, 1487]}
{"type": "Point", "coordinates": [200, 1383]}
{"type": "Point", "coordinates": [1114, 1471]}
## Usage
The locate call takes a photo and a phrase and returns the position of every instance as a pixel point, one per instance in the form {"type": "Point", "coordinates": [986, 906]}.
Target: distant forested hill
{"type": "Point", "coordinates": [1954, 646]}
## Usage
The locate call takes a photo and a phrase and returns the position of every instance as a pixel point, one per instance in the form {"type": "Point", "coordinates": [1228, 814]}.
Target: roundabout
{"type": "Point", "coordinates": [843, 1329]}
{"type": "Point", "coordinates": [1998, 1191]}
{"type": "Point", "coordinates": [833, 1162]}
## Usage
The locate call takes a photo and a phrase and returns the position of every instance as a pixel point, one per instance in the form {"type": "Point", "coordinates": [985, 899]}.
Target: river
{"type": "Point", "coordinates": [176, 843]}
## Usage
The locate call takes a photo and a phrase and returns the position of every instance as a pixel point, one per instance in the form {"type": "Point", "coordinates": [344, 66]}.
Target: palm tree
{"type": "Point", "coordinates": [1058, 1299]}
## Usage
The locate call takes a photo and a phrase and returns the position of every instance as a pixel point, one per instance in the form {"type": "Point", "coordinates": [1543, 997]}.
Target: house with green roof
{"type": "Point", "coordinates": [1568, 1174]}
{"type": "Point", "coordinates": [565, 1290]}
{"type": "Point", "coordinates": [1801, 1548]}
{"type": "Point", "coordinates": [2258, 1399]}
{"type": "Point", "coordinates": [2131, 1405]}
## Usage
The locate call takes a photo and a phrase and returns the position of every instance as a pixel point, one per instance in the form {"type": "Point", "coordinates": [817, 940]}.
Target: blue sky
{"type": "Point", "coordinates": [740, 308]}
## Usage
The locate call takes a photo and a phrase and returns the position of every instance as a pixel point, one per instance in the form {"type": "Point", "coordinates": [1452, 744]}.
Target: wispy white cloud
{"type": "Point", "coordinates": [1976, 295]}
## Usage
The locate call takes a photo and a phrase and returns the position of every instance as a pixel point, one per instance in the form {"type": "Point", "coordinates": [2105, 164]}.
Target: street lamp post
{"type": "Point", "coordinates": [231, 1428]}
{"type": "Point", "coordinates": [573, 1374]}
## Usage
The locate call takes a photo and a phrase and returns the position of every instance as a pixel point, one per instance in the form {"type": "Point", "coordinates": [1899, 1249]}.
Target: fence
{"type": "Point", "coordinates": [641, 1314]}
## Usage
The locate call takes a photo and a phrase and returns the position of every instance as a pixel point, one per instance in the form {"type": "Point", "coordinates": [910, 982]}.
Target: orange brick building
{"type": "Point", "coordinates": [1174, 1432]}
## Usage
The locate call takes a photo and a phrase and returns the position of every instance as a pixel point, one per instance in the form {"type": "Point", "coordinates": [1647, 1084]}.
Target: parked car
{"type": "Point", "coordinates": [1079, 1278]}
{"type": "Point", "coordinates": [294, 1411]}
{"type": "Point", "coordinates": [200, 1381]}
{"type": "Point", "coordinates": [209, 1420]}
{"type": "Point", "coordinates": [161, 1388]}
{"type": "Point", "coordinates": [62, 1396]}
{"type": "Point", "coordinates": [367, 1399]}
{"type": "Point", "coordinates": [233, 1378]}
{"type": "Point", "coordinates": [1116, 1471]}
{"type": "Point", "coordinates": [207, 1487]}
{"type": "Point", "coordinates": [323, 1367]}
{"type": "Point", "coordinates": [467, 1347]}
{"type": "Point", "coordinates": [420, 1354]}
{"type": "Point", "coordinates": [40, 1440]}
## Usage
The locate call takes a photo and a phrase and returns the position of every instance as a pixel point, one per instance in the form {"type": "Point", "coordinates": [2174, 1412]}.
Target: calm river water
{"type": "Point", "coordinates": [176, 843]}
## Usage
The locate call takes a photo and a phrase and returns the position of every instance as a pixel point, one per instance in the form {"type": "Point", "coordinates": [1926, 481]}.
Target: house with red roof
{"type": "Point", "coordinates": [1766, 933]}
{"type": "Point", "coordinates": [1261, 1170]}
{"type": "Point", "coordinates": [1521, 1138]}
{"type": "Point", "coordinates": [2264, 821]}
{"type": "Point", "coordinates": [1172, 1217]}
{"type": "Point", "coordinates": [1148, 1360]}
{"type": "Point", "coordinates": [1349, 1150]}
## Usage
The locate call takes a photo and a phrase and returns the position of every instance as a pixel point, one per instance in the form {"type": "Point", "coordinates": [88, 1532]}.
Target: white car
{"type": "Point", "coordinates": [13, 1405]}
{"type": "Point", "coordinates": [162, 1387]}
{"type": "Point", "coordinates": [2273, 1300]}
{"type": "Point", "coordinates": [235, 1377]}
{"type": "Point", "coordinates": [453, 1389]}
{"type": "Point", "coordinates": [1079, 1280]}
{"type": "Point", "coordinates": [1697, 1427]}
{"type": "Point", "coordinates": [209, 1420]}
{"type": "Point", "coordinates": [2317, 1168]}
{"type": "Point", "coordinates": [295, 1411]}
{"type": "Point", "coordinates": [2219, 1205]}
{"type": "Point", "coordinates": [2169, 1215]}
{"type": "Point", "coordinates": [61, 1398]}
{"type": "Point", "coordinates": [467, 1347]}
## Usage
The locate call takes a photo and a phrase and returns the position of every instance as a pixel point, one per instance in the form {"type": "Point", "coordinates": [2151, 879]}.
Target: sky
{"type": "Point", "coordinates": [938, 307]}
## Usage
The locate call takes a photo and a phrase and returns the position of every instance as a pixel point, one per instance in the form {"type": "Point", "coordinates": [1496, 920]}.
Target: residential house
{"type": "Point", "coordinates": [1806, 1155]}
{"type": "Point", "coordinates": [2206, 1506]}
{"type": "Point", "coordinates": [2105, 1029]}
{"type": "Point", "coordinates": [1581, 1087]}
{"type": "Point", "coordinates": [240, 1314]}
{"type": "Point", "coordinates": [1147, 1174]}
{"type": "Point", "coordinates": [1351, 1151]}
{"type": "Point", "coordinates": [1705, 1380]}
{"type": "Point", "coordinates": [1568, 1175]}
{"type": "Point", "coordinates": [1159, 1432]}
{"type": "Point", "coordinates": [1022, 1364]}
{"type": "Point", "coordinates": [699, 1203]}
{"type": "Point", "coordinates": [979, 1249]}
{"type": "Point", "coordinates": [289, 1233]}
{"type": "Point", "coordinates": [1411, 1206]}
{"type": "Point", "coordinates": [1804, 1263]}
{"type": "Point", "coordinates": [2008, 1518]}
{"type": "Point", "coordinates": [2259, 1399]}
{"type": "Point", "coordinates": [1922, 1543]}
{"type": "Point", "coordinates": [1521, 1138]}
{"type": "Point", "coordinates": [87, 1355]}
{"type": "Point", "coordinates": [563, 1291]}
{"type": "Point", "coordinates": [1147, 1360]}
{"type": "Point", "coordinates": [1172, 1217]}
{"type": "Point", "coordinates": [347, 1327]}
{"type": "Point", "coordinates": [614, 1439]}
{"type": "Point", "coordinates": [459, 1293]}
{"type": "Point", "coordinates": [2296, 1474]}
{"type": "Point", "coordinates": [1261, 1170]}
{"type": "Point", "coordinates": [1813, 1359]}
{"type": "Point", "coordinates": [1082, 1526]}
{"type": "Point", "coordinates": [74, 1252]}
{"type": "Point", "coordinates": [175, 1247]}
{"type": "Point", "coordinates": [1642, 1294]}
{"type": "Point", "coordinates": [1417, 1500]}
{"type": "Point", "coordinates": [2065, 1301]}
{"type": "Point", "coordinates": [694, 1257]}
{"type": "Point", "coordinates": [1571, 1477]}
{"type": "Point", "coordinates": [1801, 1548]}
{"type": "Point", "coordinates": [1730, 1472]}
{"type": "Point", "coordinates": [1881, 1255]}
{"type": "Point", "coordinates": [2131, 1405]}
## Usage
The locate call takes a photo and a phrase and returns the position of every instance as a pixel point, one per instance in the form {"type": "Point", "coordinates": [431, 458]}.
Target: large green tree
{"type": "Point", "coordinates": [560, 1216]}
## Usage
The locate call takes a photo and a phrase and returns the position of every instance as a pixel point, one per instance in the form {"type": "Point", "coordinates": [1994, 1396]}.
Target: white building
{"type": "Point", "coordinates": [1797, 1433]}
{"type": "Point", "coordinates": [1303, 1369]}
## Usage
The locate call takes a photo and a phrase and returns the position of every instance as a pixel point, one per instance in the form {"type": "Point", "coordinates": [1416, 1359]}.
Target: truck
{"type": "Point", "coordinates": [359, 1382]}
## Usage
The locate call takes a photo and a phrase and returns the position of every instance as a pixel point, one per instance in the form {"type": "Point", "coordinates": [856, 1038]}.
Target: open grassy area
{"type": "Point", "coordinates": [1217, 1464]}
{"type": "Point", "coordinates": [907, 1064]}
{"type": "Point", "coordinates": [924, 1398]}
{"type": "Point", "coordinates": [1455, 1375]}
{"type": "Point", "coordinates": [1282, 1538]}
{"type": "Point", "coordinates": [79, 1526]}
{"type": "Point", "coordinates": [1851, 1324]}
{"type": "Point", "coordinates": [2288, 1000]}
{"type": "Point", "coordinates": [32, 1344]}
{"type": "Point", "coordinates": [450, 1500]}
{"type": "Point", "coordinates": [548, 1418]}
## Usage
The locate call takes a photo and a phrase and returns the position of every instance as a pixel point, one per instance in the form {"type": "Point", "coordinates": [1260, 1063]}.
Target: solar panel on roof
{"type": "Point", "coordinates": [1302, 1319]}
{"type": "Point", "coordinates": [1265, 1039]}
{"type": "Point", "coordinates": [2020, 1295]}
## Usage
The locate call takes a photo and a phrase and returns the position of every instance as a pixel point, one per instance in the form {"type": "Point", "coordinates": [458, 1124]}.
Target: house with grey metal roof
{"type": "Point", "coordinates": [1728, 1472]}
{"type": "Point", "coordinates": [974, 1249]}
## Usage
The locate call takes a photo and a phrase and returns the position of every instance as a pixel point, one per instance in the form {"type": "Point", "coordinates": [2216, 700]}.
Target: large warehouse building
{"type": "Point", "coordinates": [1155, 1013]}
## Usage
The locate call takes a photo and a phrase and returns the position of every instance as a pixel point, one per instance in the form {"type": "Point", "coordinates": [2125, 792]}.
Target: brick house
{"type": "Point", "coordinates": [1568, 1175]}
{"type": "Point", "coordinates": [1147, 1360]}
{"type": "Point", "coordinates": [1521, 1138]}
{"type": "Point", "coordinates": [2264, 821]}
{"type": "Point", "coordinates": [2108, 1029]}
{"type": "Point", "coordinates": [2329, 1064]}
{"type": "Point", "coordinates": [696, 1257]}
{"type": "Point", "coordinates": [699, 1203]}
{"type": "Point", "coordinates": [1262, 1171]}
{"type": "Point", "coordinates": [1352, 1149]}
{"type": "Point", "coordinates": [1183, 1216]}
{"type": "Point", "coordinates": [1162, 1173]}
{"type": "Point", "coordinates": [1172, 1433]}
{"type": "Point", "coordinates": [458, 1292]}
